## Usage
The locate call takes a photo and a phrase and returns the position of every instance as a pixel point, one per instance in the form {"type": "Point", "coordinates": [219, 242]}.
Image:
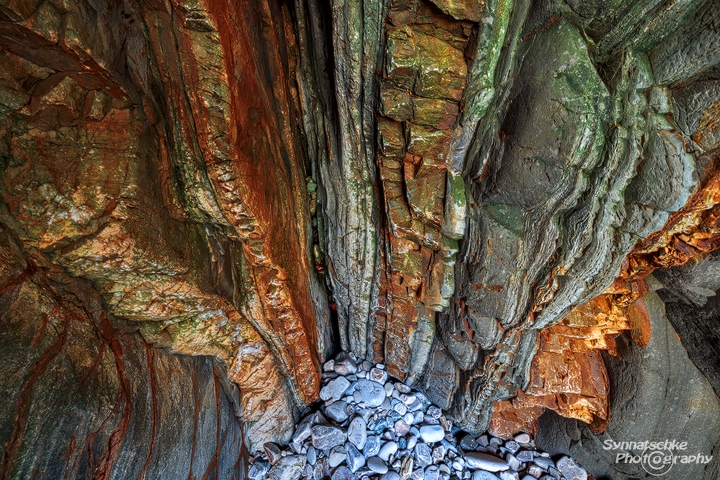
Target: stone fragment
{"type": "Point", "coordinates": [336, 456]}
{"type": "Point", "coordinates": [335, 389]}
{"type": "Point", "coordinates": [402, 388]}
{"type": "Point", "coordinates": [433, 412]}
{"type": "Point", "coordinates": [378, 375]}
{"type": "Point", "coordinates": [391, 476]}
{"type": "Point", "coordinates": [440, 114]}
{"type": "Point", "coordinates": [344, 365]}
{"type": "Point", "coordinates": [337, 411]}
{"type": "Point", "coordinates": [543, 462]}
{"type": "Point", "coordinates": [401, 428]}
{"type": "Point", "coordinates": [468, 442]}
{"type": "Point", "coordinates": [369, 393]}
{"type": "Point", "coordinates": [513, 462]}
{"type": "Point", "coordinates": [357, 432]}
{"type": "Point", "coordinates": [396, 103]}
{"type": "Point", "coordinates": [377, 465]}
{"type": "Point", "coordinates": [342, 473]}
{"type": "Point", "coordinates": [387, 449]}
{"type": "Point", "coordinates": [311, 455]}
{"type": "Point", "coordinates": [571, 470]}
{"type": "Point", "coordinates": [432, 473]}
{"type": "Point", "coordinates": [401, 58]}
{"type": "Point", "coordinates": [303, 429]}
{"type": "Point", "coordinates": [438, 454]}
{"type": "Point", "coordinates": [418, 474]}
{"type": "Point", "coordinates": [552, 471]}
{"type": "Point", "coordinates": [400, 408]}
{"type": "Point", "coordinates": [442, 69]}
{"type": "Point", "coordinates": [329, 366]}
{"type": "Point", "coordinates": [355, 460]}
{"type": "Point", "coordinates": [432, 433]}
{"type": "Point", "coordinates": [512, 446]}
{"type": "Point", "coordinates": [524, 456]}
{"type": "Point", "coordinates": [389, 389]}
{"type": "Point", "coordinates": [372, 446]}
{"type": "Point", "coordinates": [258, 470]}
{"type": "Point", "coordinates": [523, 439]}
{"type": "Point", "coordinates": [485, 461]}
{"type": "Point", "coordinates": [273, 452]}
{"type": "Point", "coordinates": [483, 475]}
{"type": "Point", "coordinates": [423, 454]}
{"type": "Point", "coordinates": [325, 437]}
{"type": "Point", "coordinates": [509, 475]}
{"type": "Point", "coordinates": [537, 472]}
{"type": "Point", "coordinates": [406, 467]}
{"type": "Point", "coordinates": [287, 468]}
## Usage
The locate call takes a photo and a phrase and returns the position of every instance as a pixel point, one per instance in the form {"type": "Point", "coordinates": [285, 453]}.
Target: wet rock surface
{"type": "Point", "coordinates": [416, 441]}
{"type": "Point", "coordinates": [472, 193]}
{"type": "Point", "coordinates": [78, 380]}
{"type": "Point", "coordinates": [664, 382]}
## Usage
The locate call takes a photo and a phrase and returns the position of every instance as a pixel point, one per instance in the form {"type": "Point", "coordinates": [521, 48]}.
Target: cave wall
{"type": "Point", "coordinates": [657, 393]}
{"type": "Point", "coordinates": [523, 149]}
{"type": "Point", "coordinates": [469, 192]}
{"type": "Point", "coordinates": [148, 153]}
{"type": "Point", "coordinates": [85, 396]}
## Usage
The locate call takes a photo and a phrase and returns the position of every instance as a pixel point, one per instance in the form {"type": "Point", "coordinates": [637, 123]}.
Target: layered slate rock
{"type": "Point", "coordinates": [471, 193]}
{"type": "Point", "coordinates": [665, 383]}
{"type": "Point", "coordinates": [569, 144]}
{"type": "Point", "coordinates": [137, 156]}
{"type": "Point", "coordinates": [91, 398]}
{"type": "Point", "coordinates": [423, 78]}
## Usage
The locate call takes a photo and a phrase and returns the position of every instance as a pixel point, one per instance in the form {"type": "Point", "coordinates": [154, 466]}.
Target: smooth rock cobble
{"type": "Point", "coordinates": [376, 428]}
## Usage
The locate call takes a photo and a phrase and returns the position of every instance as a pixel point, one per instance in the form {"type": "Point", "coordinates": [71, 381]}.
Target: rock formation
{"type": "Point", "coordinates": [203, 201]}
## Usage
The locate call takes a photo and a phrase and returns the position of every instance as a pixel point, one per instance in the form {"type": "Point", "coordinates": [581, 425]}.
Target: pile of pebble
{"type": "Point", "coordinates": [371, 427]}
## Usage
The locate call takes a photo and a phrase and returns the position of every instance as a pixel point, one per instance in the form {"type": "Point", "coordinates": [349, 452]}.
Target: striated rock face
{"type": "Point", "coordinates": [208, 199]}
{"type": "Point", "coordinates": [650, 385]}
{"type": "Point", "coordinates": [131, 160]}
{"type": "Point", "coordinates": [87, 391]}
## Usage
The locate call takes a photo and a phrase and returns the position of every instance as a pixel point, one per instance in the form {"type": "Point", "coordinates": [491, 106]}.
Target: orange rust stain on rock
{"type": "Point", "coordinates": [567, 374]}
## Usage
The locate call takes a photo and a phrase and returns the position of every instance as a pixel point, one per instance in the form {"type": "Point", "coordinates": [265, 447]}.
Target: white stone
{"type": "Point", "coordinates": [484, 461]}
{"type": "Point", "coordinates": [377, 465]}
{"type": "Point", "coordinates": [369, 393]}
{"type": "Point", "coordinates": [357, 432]}
{"type": "Point", "coordinates": [336, 456]}
{"type": "Point", "coordinates": [388, 389]}
{"type": "Point", "coordinates": [571, 470]}
{"type": "Point", "coordinates": [387, 449]}
{"type": "Point", "coordinates": [335, 389]}
{"type": "Point", "coordinates": [378, 375]}
{"type": "Point", "coordinates": [432, 433]}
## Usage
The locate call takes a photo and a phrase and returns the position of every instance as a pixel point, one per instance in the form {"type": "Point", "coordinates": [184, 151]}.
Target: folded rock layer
{"type": "Point", "coordinates": [473, 193]}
